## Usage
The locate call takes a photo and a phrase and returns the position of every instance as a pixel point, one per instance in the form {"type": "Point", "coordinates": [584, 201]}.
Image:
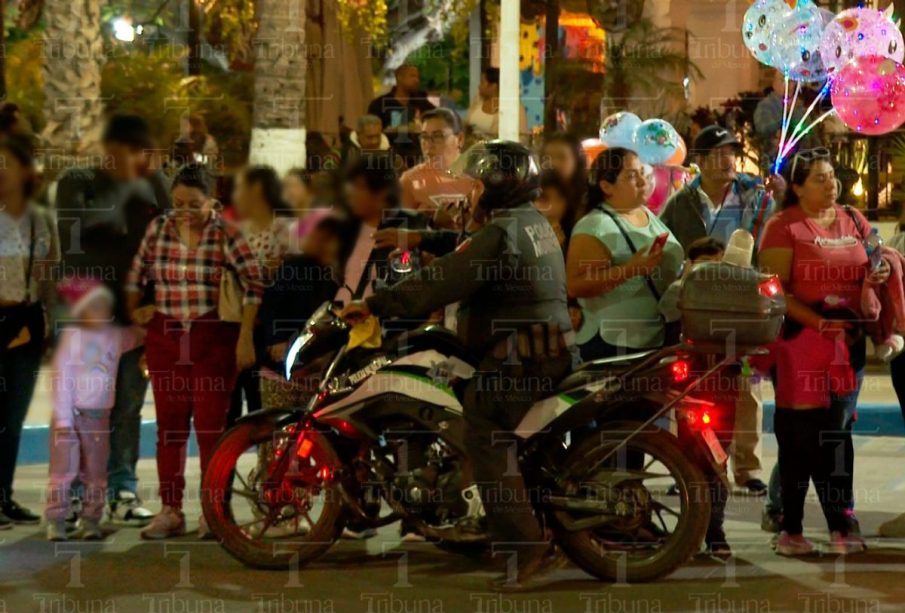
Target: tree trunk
{"type": "Point", "coordinates": [73, 59]}
{"type": "Point", "coordinates": [278, 132]}
{"type": "Point", "coordinates": [2, 50]}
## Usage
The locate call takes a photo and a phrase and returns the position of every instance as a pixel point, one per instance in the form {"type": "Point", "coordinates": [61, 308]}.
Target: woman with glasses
{"type": "Point", "coordinates": [816, 248]}
{"type": "Point", "coordinates": [194, 350]}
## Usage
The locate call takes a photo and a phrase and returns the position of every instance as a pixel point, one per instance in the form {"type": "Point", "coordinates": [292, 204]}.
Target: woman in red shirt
{"type": "Point", "coordinates": [816, 248]}
{"type": "Point", "coordinates": [193, 356]}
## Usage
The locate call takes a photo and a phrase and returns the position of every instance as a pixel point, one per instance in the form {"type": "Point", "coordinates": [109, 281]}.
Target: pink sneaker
{"type": "Point", "coordinates": [843, 545]}
{"type": "Point", "coordinates": [793, 545]}
{"type": "Point", "coordinates": [168, 523]}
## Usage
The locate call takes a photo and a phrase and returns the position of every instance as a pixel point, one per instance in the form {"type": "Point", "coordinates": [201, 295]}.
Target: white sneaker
{"type": "Point", "coordinates": [126, 510]}
{"type": "Point", "coordinates": [358, 535]}
{"type": "Point", "coordinates": [90, 530]}
{"type": "Point", "coordinates": [793, 545]}
{"type": "Point", "coordinates": [166, 524]}
{"type": "Point", "coordinates": [56, 531]}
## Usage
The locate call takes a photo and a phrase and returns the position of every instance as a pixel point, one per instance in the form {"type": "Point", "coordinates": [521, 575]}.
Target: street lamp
{"type": "Point", "coordinates": [123, 30]}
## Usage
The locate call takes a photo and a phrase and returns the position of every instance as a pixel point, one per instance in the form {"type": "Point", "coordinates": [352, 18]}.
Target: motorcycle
{"type": "Point", "coordinates": [382, 440]}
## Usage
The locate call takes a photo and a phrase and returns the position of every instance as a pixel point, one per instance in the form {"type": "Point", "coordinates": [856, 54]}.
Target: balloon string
{"type": "Point", "coordinates": [797, 132]}
{"type": "Point", "coordinates": [786, 116]}
{"type": "Point", "coordinates": [803, 133]}
{"type": "Point", "coordinates": [820, 96]}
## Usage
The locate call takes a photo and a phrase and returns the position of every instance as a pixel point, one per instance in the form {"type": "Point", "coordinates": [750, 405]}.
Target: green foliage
{"type": "Point", "coordinates": [24, 80]}
{"type": "Point", "coordinates": [644, 61]}
{"type": "Point", "coordinates": [153, 85]}
{"type": "Point", "coordinates": [443, 69]}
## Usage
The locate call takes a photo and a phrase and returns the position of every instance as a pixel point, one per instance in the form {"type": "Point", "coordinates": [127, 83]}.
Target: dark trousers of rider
{"type": "Point", "coordinates": [496, 400]}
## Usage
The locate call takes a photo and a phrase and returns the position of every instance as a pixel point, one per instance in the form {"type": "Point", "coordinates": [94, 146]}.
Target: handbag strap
{"type": "Point", "coordinates": [858, 225]}
{"type": "Point", "coordinates": [631, 246]}
{"type": "Point", "coordinates": [32, 222]}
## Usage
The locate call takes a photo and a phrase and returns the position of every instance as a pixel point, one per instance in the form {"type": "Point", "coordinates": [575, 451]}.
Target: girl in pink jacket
{"type": "Point", "coordinates": [84, 388]}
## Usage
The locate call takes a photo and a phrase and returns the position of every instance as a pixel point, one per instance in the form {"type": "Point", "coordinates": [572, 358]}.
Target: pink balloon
{"type": "Point", "coordinates": [667, 181]}
{"type": "Point", "coordinates": [869, 94]}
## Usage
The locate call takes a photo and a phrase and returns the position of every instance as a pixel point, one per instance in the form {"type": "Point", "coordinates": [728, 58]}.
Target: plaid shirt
{"type": "Point", "coordinates": [187, 281]}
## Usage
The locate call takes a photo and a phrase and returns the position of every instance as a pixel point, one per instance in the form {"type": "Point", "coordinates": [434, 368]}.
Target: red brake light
{"type": "Point", "coordinates": [680, 371]}
{"type": "Point", "coordinates": [770, 288]}
{"type": "Point", "coordinates": [406, 258]}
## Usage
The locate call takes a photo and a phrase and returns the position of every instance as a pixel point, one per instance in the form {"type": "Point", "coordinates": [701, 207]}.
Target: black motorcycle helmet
{"type": "Point", "coordinates": [507, 170]}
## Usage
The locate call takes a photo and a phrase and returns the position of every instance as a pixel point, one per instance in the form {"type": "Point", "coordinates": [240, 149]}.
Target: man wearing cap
{"type": "Point", "coordinates": [719, 201]}
{"type": "Point", "coordinates": [103, 213]}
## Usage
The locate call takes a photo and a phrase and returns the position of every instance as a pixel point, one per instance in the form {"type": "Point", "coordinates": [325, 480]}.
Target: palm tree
{"type": "Point", "coordinates": [278, 122]}
{"type": "Point", "coordinates": [73, 58]}
{"type": "Point", "coordinates": [642, 62]}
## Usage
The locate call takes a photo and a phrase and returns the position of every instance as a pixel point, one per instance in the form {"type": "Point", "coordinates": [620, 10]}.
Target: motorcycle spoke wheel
{"type": "Point", "coordinates": [647, 532]}
{"type": "Point", "coordinates": [265, 524]}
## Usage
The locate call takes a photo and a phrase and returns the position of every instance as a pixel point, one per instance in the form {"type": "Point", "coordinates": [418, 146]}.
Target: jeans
{"type": "Point", "coordinates": [842, 416]}
{"type": "Point", "coordinates": [18, 375]}
{"type": "Point", "coordinates": [193, 373]}
{"type": "Point", "coordinates": [125, 425]}
{"type": "Point", "coordinates": [79, 452]}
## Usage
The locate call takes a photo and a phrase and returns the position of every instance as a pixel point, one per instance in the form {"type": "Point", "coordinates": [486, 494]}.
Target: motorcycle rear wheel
{"type": "Point", "coordinates": [265, 542]}
{"type": "Point", "coordinates": [599, 551]}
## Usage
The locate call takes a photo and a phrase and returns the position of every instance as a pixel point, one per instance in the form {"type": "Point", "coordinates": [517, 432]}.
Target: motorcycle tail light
{"type": "Point", "coordinates": [770, 288]}
{"type": "Point", "coordinates": [305, 448]}
{"type": "Point", "coordinates": [681, 369]}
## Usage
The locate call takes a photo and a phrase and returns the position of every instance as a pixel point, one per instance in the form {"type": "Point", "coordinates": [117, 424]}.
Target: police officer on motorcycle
{"type": "Point", "coordinates": [510, 280]}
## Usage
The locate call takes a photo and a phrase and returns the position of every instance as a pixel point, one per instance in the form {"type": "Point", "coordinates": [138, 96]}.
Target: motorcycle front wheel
{"type": "Point", "coordinates": [646, 532]}
{"type": "Point", "coordinates": [283, 525]}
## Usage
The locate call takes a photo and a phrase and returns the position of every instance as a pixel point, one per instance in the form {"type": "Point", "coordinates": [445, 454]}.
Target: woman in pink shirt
{"type": "Point", "coordinates": [816, 248]}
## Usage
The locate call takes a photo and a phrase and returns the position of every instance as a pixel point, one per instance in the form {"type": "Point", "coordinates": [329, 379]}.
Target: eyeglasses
{"type": "Point", "coordinates": [809, 155]}
{"type": "Point", "coordinates": [437, 138]}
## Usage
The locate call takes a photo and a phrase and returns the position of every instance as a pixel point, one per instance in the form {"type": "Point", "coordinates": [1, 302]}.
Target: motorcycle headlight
{"type": "Point", "coordinates": [293, 352]}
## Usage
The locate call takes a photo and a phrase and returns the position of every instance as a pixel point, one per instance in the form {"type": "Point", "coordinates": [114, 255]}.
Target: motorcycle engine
{"type": "Point", "coordinates": [432, 491]}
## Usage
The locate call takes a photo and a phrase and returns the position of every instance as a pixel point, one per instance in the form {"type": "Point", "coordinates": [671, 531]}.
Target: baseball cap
{"type": "Point", "coordinates": [712, 137]}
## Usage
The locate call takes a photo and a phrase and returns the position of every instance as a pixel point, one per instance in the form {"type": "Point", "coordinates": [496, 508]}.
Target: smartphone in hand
{"type": "Point", "coordinates": [659, 243]}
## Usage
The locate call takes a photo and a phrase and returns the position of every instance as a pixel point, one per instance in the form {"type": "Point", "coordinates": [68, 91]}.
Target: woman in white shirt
{"type": "Point", "coordinates": [29, 250]}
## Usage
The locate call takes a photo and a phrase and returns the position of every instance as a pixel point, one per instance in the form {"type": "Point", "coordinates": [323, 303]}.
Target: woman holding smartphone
{"type": "Point", "coordinates": [621, 259]}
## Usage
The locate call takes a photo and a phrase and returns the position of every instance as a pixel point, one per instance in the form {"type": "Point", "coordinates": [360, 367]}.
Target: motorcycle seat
{"type": "Point", "coordinates": [595, 370]}
{"type": "Point", "coordinates": [438, 338]}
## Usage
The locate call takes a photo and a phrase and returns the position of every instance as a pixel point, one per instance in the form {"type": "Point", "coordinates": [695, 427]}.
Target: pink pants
{"type": "Point", "coordinates": [193, 372]}
{"type": "Point", "coordinates": [79, 452]}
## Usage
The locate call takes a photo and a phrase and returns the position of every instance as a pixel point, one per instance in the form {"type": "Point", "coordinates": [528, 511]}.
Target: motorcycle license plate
{"type": "Point", "coordinates": [716, 450]}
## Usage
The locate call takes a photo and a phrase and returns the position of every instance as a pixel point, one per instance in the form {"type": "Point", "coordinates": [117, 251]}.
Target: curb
{"type": "Point", "coordinates": [873, 420]}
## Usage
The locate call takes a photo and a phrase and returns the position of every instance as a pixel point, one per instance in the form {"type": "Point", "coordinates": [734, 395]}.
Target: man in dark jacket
{"type": "Point", "coordinates": [103, 213]}
{"type": "Point", "coordinates": [510, 279]}
{"type": "Point", "coordinates": [721, 199]}
{"type": "Point", "coordinates": [718, 202]}
{"type": "Point", "coordinates": [400, 111]}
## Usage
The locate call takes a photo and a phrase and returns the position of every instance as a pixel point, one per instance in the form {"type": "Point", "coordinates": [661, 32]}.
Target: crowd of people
{"type": "Point", "coordinates": [138, 276]}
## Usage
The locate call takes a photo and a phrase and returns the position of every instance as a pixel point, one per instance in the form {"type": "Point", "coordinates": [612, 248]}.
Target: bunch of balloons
{"type": "Point", "coordinates": [657, 144]}
{"type": "Point", "coordinates": [864, 51]}
{"type": "Point", "coordinates": [654, 140]}
{"type": "Point", "coordinates": [786, 34]}
{"type": "Point", "coordinates": [859, 53]}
